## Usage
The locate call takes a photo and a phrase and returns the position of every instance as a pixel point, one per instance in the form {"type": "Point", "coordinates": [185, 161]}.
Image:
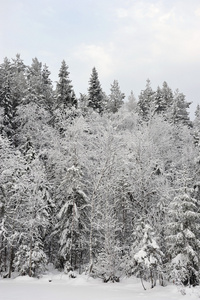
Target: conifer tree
{"type": "Point", "coordinates": [19, 84]}
{"type": "Point", "coordinates": [149, 257]}
{"type": "Point", "coordinates": [163, 99]}
{"type": "Point", "coordinates": [196, 125]}
{"type": "Point", "coordinates": [72, 220]}
{"type": "Point", "coordinates": [146, 105]}
{"type": "Point", "coordinates": [115, 100]}
{"type": "Point", "coordinates": [30, 258]}
{"type": "Point", "coordinates": [39, 91]}
{"type": "Point", "coordinates": [47, 89]}
{"type": "Point", "coordinates": [13, 180]}
{"type": "Point", "coordinates": [183, 239]}
{"type": "Point", "coordinates": [6, 99]}
{"type": "Point", "coordinates": [95, 94]}
{"type": "Point", "coordinates": [178, 113]}
{"type": "Point", "coordinates": [12, 91]}
{"type": "Point", "coordinates": [34, 91]}
{"type": "Point", "coordinates": [64, 91]}
{"type": "Point", "coordinates": [132, 103]}
{"type": "Point", "coordinates": [7, 102]}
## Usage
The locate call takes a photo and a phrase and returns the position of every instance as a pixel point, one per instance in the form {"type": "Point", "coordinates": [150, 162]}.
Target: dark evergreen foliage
{"type": "Point", "coordinates": [145, 103]}
{"type": "Point", "coordinates": [64, 91]}
{"type": "Point", "coordinates": [95, 94]}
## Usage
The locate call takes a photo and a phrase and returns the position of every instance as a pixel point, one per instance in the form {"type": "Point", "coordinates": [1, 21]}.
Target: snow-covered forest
{"type": "Point", "coordinates": [95, 183]}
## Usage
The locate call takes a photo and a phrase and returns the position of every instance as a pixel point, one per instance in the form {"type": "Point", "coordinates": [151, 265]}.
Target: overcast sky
{"type": "Point", "coordinates": [126, 40]}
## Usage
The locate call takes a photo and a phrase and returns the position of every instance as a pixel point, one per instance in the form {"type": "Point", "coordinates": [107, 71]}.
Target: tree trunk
{"type": "Point", "coordinates": [11, 262]}
{"type": "Point", "coordinates": [5, 259]}
{"type": "Point", "coordinates": [30, 259]}
{"type": "Point", "coordinates": [153, 279]}
{"type": "Point", "coordinates": [142, 283]}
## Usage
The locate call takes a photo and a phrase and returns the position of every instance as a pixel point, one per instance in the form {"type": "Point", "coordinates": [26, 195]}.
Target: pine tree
{"type": "Point", "coordinates": [12, 91]}
{"type": "Point", "coordinates": [30, 257]}
{"type": "Point", "coordinates": [72, 220]}
{"type": "Point", "coordinates": [183, 242]}
{"type": "Point", "coordinates": [7, 102]}
{"type": "Point", "coordinates": [39, 89]}
{"type": "Point", "coordinates": [132, 103]}
{"type": "Point", "coordinates": [178, 113]}
{"type": "Point", "coordinates": [64, 91]}
{"type": "Point", "coordinates": [197, 113]}
{"type": "Point", "coordinates": [34, 91]}
{"type": "Point", "coordinates": [149, 257]}
{"type": "Point", "coordinates": [115, 100]}
{"type": "Point", "coordinates": [13, 181]}
{"type": "Point", "coordinates": [19, 84]}
{"type": "Point", "coordinates": [196, 126]}
{"type": "Point", "coordinates": [145, 104]}
{"type": "Point", "coordinates": [6, 99]}
{"type": "Point", "coordinates": [47, 89]}
{"type": "Point", "coordinates": [163, 99]}
{"type": "Point", "coordinates": [159, 105]}
{"type": "Point", "coordinates": [95, 94]}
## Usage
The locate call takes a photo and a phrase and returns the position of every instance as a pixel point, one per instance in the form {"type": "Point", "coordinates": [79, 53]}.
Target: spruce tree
{"type": "Point", "coordinates": [115, 100]}
{"type": "Point", "coordinates": [47, 89]}
{"type": "Point", "coordinates": [196, 126]}
{"type": "Point", "coordinates": [12, 91]}
{"type": "Point", "coordinates": [19, 84]}
{"type": "Point", "coordinates": [6, 99]}
{"type": "Point", "coordinates": [30, 257]}
{"type": "Point", "coordinates": [7, 102]}
{"type": "Point", "coordinates": [146, 105]}
{"type": "Point", "coordinates": [163, 99]}
{"type": "Point", "coordinates": [34, 91]}
{"type": "Point", "coordinates": [64, 91]}
{"type": "Point", "coordinates": [95, 94]}
{"type": "Point", "coordinates": [183, 239]}
{"type": "Point", "coordinates": [39, 89]}
{"type": "Point", "coordinates": [178, 113]}
{"type": "Point", "coordinates": [149, 257]}
{"type": "Point", "coordinates": [71, 227]}
{"type": "Point", "coordinates": [132, 103]}
{"type": "Point", "coordinates": [13, 182]}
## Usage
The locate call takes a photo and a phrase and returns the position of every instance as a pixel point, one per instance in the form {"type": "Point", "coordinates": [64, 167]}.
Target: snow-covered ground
{"type": "Point", "coordinates": [61, 287]}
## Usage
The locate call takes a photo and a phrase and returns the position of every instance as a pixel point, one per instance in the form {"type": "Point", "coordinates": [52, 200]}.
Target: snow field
{"type": "Point", "coordinates": [61, 287]}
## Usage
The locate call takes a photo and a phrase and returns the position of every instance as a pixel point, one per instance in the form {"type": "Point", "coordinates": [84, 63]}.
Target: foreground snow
{"type": "Point", "coordinates": [60, 287]}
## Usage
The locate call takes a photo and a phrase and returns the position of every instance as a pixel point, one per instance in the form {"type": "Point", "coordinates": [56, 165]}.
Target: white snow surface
{"type": "Point", "coordinates": [60, 287]}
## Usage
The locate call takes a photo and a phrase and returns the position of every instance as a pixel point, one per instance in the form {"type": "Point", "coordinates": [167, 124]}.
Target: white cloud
{"type": "Point", "coordinates": [154, 31]}
{"type": "Point", "coordinates": [139, 10]}
{"type": "Point", "coordinates": [152, 11]}
{"type": "Point", "coordinates": [166, 17]}
{"type": "Point", "coordinates": [122, 13]}
{"type": "Point", "coordinates": [197, 11]}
